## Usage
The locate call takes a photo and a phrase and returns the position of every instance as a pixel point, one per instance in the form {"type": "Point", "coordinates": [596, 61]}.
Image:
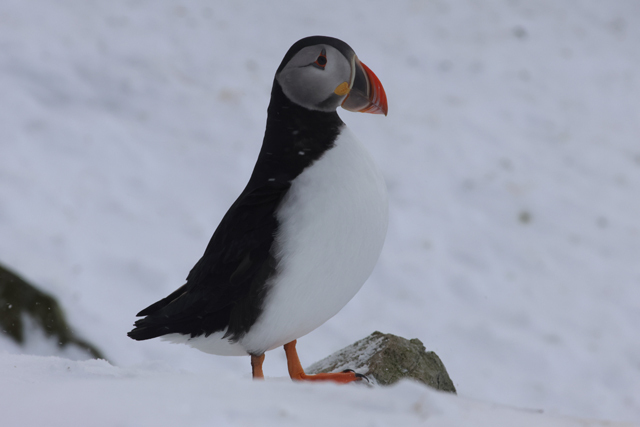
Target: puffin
{"type": "Point", "coordinates": [305, 233]}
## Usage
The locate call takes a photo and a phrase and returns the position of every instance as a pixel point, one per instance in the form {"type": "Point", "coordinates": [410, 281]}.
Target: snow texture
{"type": "Point", "coordinates": [512, 157]}
{"type": "Point", "coordinates": [61, 392]}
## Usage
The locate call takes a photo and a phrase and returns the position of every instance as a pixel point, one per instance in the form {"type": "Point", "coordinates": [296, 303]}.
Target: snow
{"type": "Point", "coordinates": [512, 156]}
{"type": "Point", "coordinates": [70, 393]}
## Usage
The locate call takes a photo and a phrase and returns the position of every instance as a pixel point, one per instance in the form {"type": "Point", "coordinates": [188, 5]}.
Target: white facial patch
{"type": "Point", "coordinates": [310, 85]}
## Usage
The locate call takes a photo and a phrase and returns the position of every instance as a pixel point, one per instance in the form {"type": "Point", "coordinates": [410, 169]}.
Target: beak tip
{"type": "Point", "coordinates": [384, 109]}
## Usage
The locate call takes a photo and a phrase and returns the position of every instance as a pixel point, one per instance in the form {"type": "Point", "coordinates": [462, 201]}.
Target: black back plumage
{"type": "Point", "coordinates": [227, 286]}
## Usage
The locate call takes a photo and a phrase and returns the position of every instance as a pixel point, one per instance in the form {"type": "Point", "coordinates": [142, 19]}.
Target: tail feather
{"type": "Point", "coordinates": [146, 329]}
{"type": "Point", "coordinates": [183, 314]}
{"type": "Point", "coordinates": [155, 324]}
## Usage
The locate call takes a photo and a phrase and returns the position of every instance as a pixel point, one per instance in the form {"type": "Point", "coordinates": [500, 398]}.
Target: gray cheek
{"type": "Point", "coordinates": [331, 103]}
{"type": "Point", "coordinates": [312, 88]}
{"type": "Point", "coordinates": [301, 89]}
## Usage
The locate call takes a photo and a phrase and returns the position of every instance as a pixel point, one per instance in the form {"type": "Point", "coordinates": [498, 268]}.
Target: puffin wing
{"type": "Point", "coordinates": [226, 287]}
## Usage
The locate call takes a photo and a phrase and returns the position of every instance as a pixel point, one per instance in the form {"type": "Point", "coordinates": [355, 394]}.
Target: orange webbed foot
{"type": "Point", "coordinates": [343, 377]}
{"type": "Point", "coordinates": [297, 373]}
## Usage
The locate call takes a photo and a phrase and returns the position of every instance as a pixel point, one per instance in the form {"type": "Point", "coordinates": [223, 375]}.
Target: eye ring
{"type": "Point", "coordinates": [321, 61]}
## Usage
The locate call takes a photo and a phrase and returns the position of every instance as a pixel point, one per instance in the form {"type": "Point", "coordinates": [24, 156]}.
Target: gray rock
{"type": "Point", "coordinates": [386, 359]}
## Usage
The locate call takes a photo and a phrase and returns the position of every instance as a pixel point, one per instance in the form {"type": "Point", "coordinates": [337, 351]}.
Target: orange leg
{"type": "Point", "coordinates": [256, 367]}
{"type": "Point", "coordinates": [297, 373]}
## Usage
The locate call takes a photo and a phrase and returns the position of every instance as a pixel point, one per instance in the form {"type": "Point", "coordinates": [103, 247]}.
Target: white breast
{"type": "Point", "coordinates": [333, 222]}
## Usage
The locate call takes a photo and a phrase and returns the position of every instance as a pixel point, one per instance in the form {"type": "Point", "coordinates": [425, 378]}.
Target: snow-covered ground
{"type": "Point", "coordinates": [61, 392]}
{"type": "Point", "coordinates": [512, 156]}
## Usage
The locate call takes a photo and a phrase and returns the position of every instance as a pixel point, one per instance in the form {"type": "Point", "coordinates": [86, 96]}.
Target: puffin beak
{"type": "Point", "coordinates": [366, 94]}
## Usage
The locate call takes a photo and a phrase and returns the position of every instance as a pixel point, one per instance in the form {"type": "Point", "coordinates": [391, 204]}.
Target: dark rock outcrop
{"type": "Point", "coordinates": [19, 299]}
{"type": "Point", "coordinates": [386, 359]}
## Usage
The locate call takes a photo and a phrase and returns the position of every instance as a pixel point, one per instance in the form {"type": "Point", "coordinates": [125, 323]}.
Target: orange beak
{"type": "Point", "coordinates": [367, 94]}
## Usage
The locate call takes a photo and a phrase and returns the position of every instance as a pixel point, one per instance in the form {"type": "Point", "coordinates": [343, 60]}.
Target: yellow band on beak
{"type": "Point", "coordinates": [342, 89]}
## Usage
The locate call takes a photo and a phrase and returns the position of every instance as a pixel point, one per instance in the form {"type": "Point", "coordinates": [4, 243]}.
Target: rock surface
{"type": "Point", "coordinates": [386, 359]}
{"type": "Point", "coordinates": [19, 299]}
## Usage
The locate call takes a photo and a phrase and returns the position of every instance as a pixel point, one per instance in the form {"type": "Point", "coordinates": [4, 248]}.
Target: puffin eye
{"type": "Point", "coordinates": [321, 61]}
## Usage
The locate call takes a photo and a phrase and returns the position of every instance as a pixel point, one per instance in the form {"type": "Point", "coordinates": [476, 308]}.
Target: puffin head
{"type": "Point", "coordinates": [323, 73]}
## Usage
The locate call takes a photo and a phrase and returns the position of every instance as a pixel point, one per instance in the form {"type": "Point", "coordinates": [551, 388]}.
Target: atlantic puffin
{"type": "Point", "coordinates": [305, 233]}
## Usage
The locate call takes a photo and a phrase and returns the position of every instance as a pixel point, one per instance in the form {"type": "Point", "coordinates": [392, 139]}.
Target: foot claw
{"type": "Point", "coordinates": [359, 377]}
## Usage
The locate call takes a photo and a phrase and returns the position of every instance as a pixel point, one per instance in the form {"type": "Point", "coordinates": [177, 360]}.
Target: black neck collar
{"type": "Point", "coordinates": [294, 138]}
